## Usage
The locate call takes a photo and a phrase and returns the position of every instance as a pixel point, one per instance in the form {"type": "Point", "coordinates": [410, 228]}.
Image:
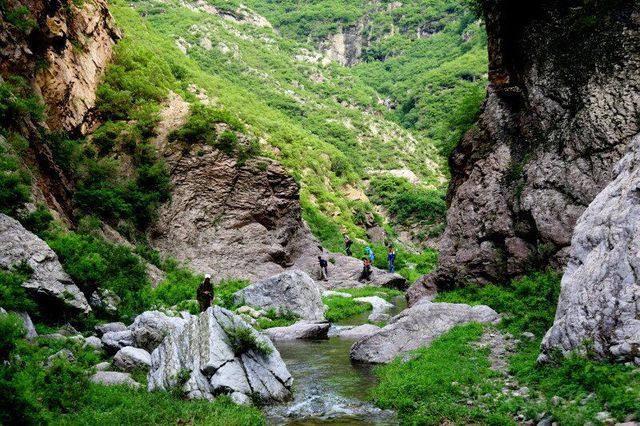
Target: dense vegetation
{"type": "Point", "coordinates": [462, 388]}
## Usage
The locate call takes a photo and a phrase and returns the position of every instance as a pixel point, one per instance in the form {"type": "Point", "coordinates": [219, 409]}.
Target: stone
{"type": "Point", "coordinates": [93, 342]}
{"type": "Point", "coordinates": [240, 398]}
{"type": "Point", "coordinates": [113, 341]}
{"type": "Point", "coordinates": [131, 359]}
{"type": "Point", "coordinates": [103, 366]}
{"type": "Point", "coordinates": [150, 328]}
{"type": "Point", "coordinates": [105, 300]}
{"type": "Point", "coordinates": [248, 310]}
{"type": "Point", "coordinates": [292, 291]}
{"type": "Point", "coordinates": [299, 330]}
{"type": "Point", "coordinates": [603, 416]}
{"type": "Point", "coordinates": [201, 360]}
{"type": "Point", "coordinates": [417, 327]}
{"type": "Point", "coordinates": [599, 291]}
{"type": "Point", "coordinates": [114, 378]}
{"type": "Point", "coordinates": [111, 326]}
{"type": "Point", "coordinates": [65, 354]}
{"type": "Point", "coordinates": [333, 293]}
{"type": "Point", "coordinates": [49, 283]}
{"type": "Point", "coordinates": [551, 129]}
{"type": "Point", "coordinates": [28, 325]}
{"type": "Point", "coordinates": [359, 332]}
{"type": "Point", "coordinates": [379, 305]}
{"type": "Point", "coordinates": [528, 335]}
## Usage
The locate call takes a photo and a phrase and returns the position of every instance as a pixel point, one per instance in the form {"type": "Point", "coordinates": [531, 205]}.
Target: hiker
{"type": "Point", "coordinates": [366, 270]}
{"type": "Point", "coordinates": [347, 245]}
{"type": "Point", "coordinates": [324, 265]}
{"type": "Point", "coordinates": [391, 259]}
{"type": "Point", "coordinates": [370, 253]}
{"type": "Point", "coordinates": [205, 293]}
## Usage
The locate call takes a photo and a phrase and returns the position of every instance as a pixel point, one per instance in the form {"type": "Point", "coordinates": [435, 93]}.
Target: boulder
{"type": "Point", "coordinates": [114, 378]}
{"type": "Point", "coordinates": [28, 325]}
{"type": "Point", "coordinates": [248, 310]}
{"type": "Point", "coordinates": [205, 358]}
{"type": "Point", "coordinates": [379, 305]}
{"type": "Point", "coordinates": [299, 330]}
{"type": "Point", "coordinates": [600, 292]}
{"type": "Point", "coordinates": [103, 366]}
{"type": "Point", "coordinates": [359, 332]}
{"type": "Point", "coordinates": [130, 359]}
{"type": "Point", "coordinates": [333, 293]}
{"type": "Point", "coordinates": [49, 284]}
{"type": "Point", "coordinates": [93, 342]}
{"type": "Point", "coordinates": [113, 341]}
{"type": "Point", "coordinates": [417, 327]}
{"type": "Point", "coordinates": [151, 327]}
{"type": "Point", "coordinates": [293, 291]}
{"type": "Point", "coordinates": [105, 300]}
{"type": "Point", "coordinates": [65, 354]}
{"type": "Point", "coordinates": [111, 326]}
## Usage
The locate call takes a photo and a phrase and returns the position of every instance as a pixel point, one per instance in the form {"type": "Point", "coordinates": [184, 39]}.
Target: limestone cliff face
{"type": "Point", "coordinates": [561, 107]}
{"type": "Point", "coordinates": [62, 53]}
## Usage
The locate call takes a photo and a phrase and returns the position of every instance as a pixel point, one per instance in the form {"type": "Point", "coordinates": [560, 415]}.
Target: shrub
{"type": "Point", "coordinates": [243, 338]}
{"type": "Point", "coordinates": [13, 296]}
{"type": "Point", "coordinates": [11, 329]}
{"type": "Point", "coordinates": [37, 221]}
{"type": "Point", "coordinates": [17, 102]}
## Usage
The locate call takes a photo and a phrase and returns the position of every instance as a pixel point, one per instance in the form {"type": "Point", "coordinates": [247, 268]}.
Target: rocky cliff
{"type": "Point", "coordinates": [561, 107]}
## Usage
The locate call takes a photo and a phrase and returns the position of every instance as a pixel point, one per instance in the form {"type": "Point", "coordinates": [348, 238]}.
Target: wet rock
{"type": "Point", "coordinates": [379, 305]}
{"type": "Point", "coordinates": [114, 378]}
{"type": "Point", "coordinates": [130, 359]}
{"type": "Point", "coordinates": [359, 332]}
{"type": "Point", "coordinates": [49, 284]}
{"type": "Point", "coordinates": [150, 328]}
{"type": "Point", "coordinates": [108, 327]}
{"type": "Point", "coordinates": [417, 327]}
{"type": "Point", "coordinates": [300, 330]}
{"type": "Point", "coordinates": [113, 341]}
{"type": "Point", "coordinates": [598, 299]}
{"type": "Point", "coordinates": [202, 360]}
{"type": "Point", "coordinates": [292, 291]}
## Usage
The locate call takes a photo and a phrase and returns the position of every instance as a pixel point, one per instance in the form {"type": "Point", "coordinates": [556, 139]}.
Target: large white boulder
{"type": "Point", "coordinates": [294, 291]}
{"type": "Point", "coordinates": [299, 330]}
{"type": "Point", "coordinates": [114, 378]}
{"type": "Point", "coordinates": [113, 341]}
{"type": "Point", "coordinates": [206, 358]}
{"type": "Point", "coordinates": [417, 327]}
{"type": "Point", "coordinates": [130, 359]}
{"type": "Point", "coordinates": [150, 328]}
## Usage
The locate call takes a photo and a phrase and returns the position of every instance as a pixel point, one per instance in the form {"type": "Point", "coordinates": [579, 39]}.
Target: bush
{"type": "Point", "coordinates": [13, 296]}
{"type": "Point", "coordinates": [243, 338]}
{"type": "Point", "coordinates": [15, 184]}
{"type": "Point", "coordinates": [37, 221]}
{"type": "Point", "coordinates": [17, 102]}
{"type": "Point", "coordinates": [11, 329]}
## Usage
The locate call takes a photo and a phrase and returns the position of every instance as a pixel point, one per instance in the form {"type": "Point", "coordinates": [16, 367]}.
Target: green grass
{"type": "Point", "coordinates": [344, 307]}
{"type": "Point", "coordinates": [423, 390]}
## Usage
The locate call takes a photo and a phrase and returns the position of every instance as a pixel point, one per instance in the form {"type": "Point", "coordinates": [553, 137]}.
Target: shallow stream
{"type": "Point", "coordinates": [328, 388]}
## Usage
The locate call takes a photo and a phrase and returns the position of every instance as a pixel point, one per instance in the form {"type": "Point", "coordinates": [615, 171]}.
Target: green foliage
{"type": "Point", "coordinates": [225, 290]}
{"type": "Point", "coordinates": [15, 181]}
{"type": "Point", "coordinates": [277, 318]}
{"type": "Point", "coordinates": [13, 296]}
{"type": "Point", "coordinates": [343, 307]}
{"type": "Point", "coordinates": [37, 221]}
{"type": "Point", "coordinates": [409, 204]}
{"type": "Point", "coordinates": [11, 329]}
{"type": "Point", "coordinates": [530, 303]}
{"type": "Point", "coordinates": [17, 102]}
{"type": "Point", "coordinates": [93, 263]}
{"type": "Point", "coordinates": [243, 338]}
{"type": "Point", "coordinates": [180, 285]}
{"type": "Point", "coordinates": [18, 17]}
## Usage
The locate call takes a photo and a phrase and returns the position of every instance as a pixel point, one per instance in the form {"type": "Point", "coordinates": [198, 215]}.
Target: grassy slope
{"type": "Point", "coordinates": [451, 380]}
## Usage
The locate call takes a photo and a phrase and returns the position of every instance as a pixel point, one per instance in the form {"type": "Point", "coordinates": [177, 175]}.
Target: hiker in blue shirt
{"type": "Point", "coordinates": [391, 259]}
{"type": "Point", "coordinates": [370, 253]}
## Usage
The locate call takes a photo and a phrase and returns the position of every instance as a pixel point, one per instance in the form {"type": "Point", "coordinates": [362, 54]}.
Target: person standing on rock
{"type": "Point", "coordinates": [347, 245]}
{"type": "Point", "coordinates": [204, 295]}
{"type": "Point", "coordinates": [324, 265]}
{"type": "Point", "coordinates": [391, 259]}
{"type": "Point", "coordinates": [366, 270]}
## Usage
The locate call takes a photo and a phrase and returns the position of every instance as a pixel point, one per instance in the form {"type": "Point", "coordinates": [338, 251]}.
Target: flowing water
{"type": "Point", "coordinates": [328, 388]}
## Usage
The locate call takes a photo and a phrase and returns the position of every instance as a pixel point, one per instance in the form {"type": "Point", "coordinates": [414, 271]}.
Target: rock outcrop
{"type": "Point", "coordinates": [417, 327]}
{"type": "Point", "coordinates": [150, 328]}
{"type": "Point", "coordinates": [601, 285]}
{"type": "Point", "coordinates": [63, 54]}
{"type": "Point", "coordinates": [292, 291]}
{"type": "Point", "coordinates": [302, 330]}
{"type": "Point", "coordinates": [131, 359]}
{"type": "Point", "coordinates": [49, 283]}
{"type": "Point", "coordinates": [562, 105]}
{"type": "Point", "coordinates": [218, 353]}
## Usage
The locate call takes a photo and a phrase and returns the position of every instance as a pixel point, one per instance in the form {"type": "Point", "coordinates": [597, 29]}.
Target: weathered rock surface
{"type": "Point", "coordinates": [359, 332]}
{"type": "Point", "coordinates": [130, 359]}
{"type": "Point", "coordinates": [417, 327]}
{"type": "Point", "coordinates": [333, 293]}
{"type": "Point", "coordinates": [562, 106]}
{"type": "Point", "coordinates": [292, 291]}
{"type": "Point", "coordinates": [205, 349]}
{"type": "Point", "coordinates": [28, 325]}
{"type": "Point", "coordinates": [113, 341]}
{"type": "Point", "coordinates": [103, 366]}
{"type": "Point", "coordinates": [111, 326]}
{"type": "Point", "coordinates": [299, 330]}
{"type": "Point", "coordinates": [601, 285]}
{"type": "Point", "coordinates": [64, 354]}
{"type": "Point", "coordinates": [379, 305]}
{"type": "Point", "coordinates": [114, 378]}
{"type": "Point", "coordinates": [49, 284]}
{"type": "Point", "coordinates": [105, 300]}
{"type": "Point", "coordinates": [150, 328]}
{"type": "Point", "coordinates": [93, 342]}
